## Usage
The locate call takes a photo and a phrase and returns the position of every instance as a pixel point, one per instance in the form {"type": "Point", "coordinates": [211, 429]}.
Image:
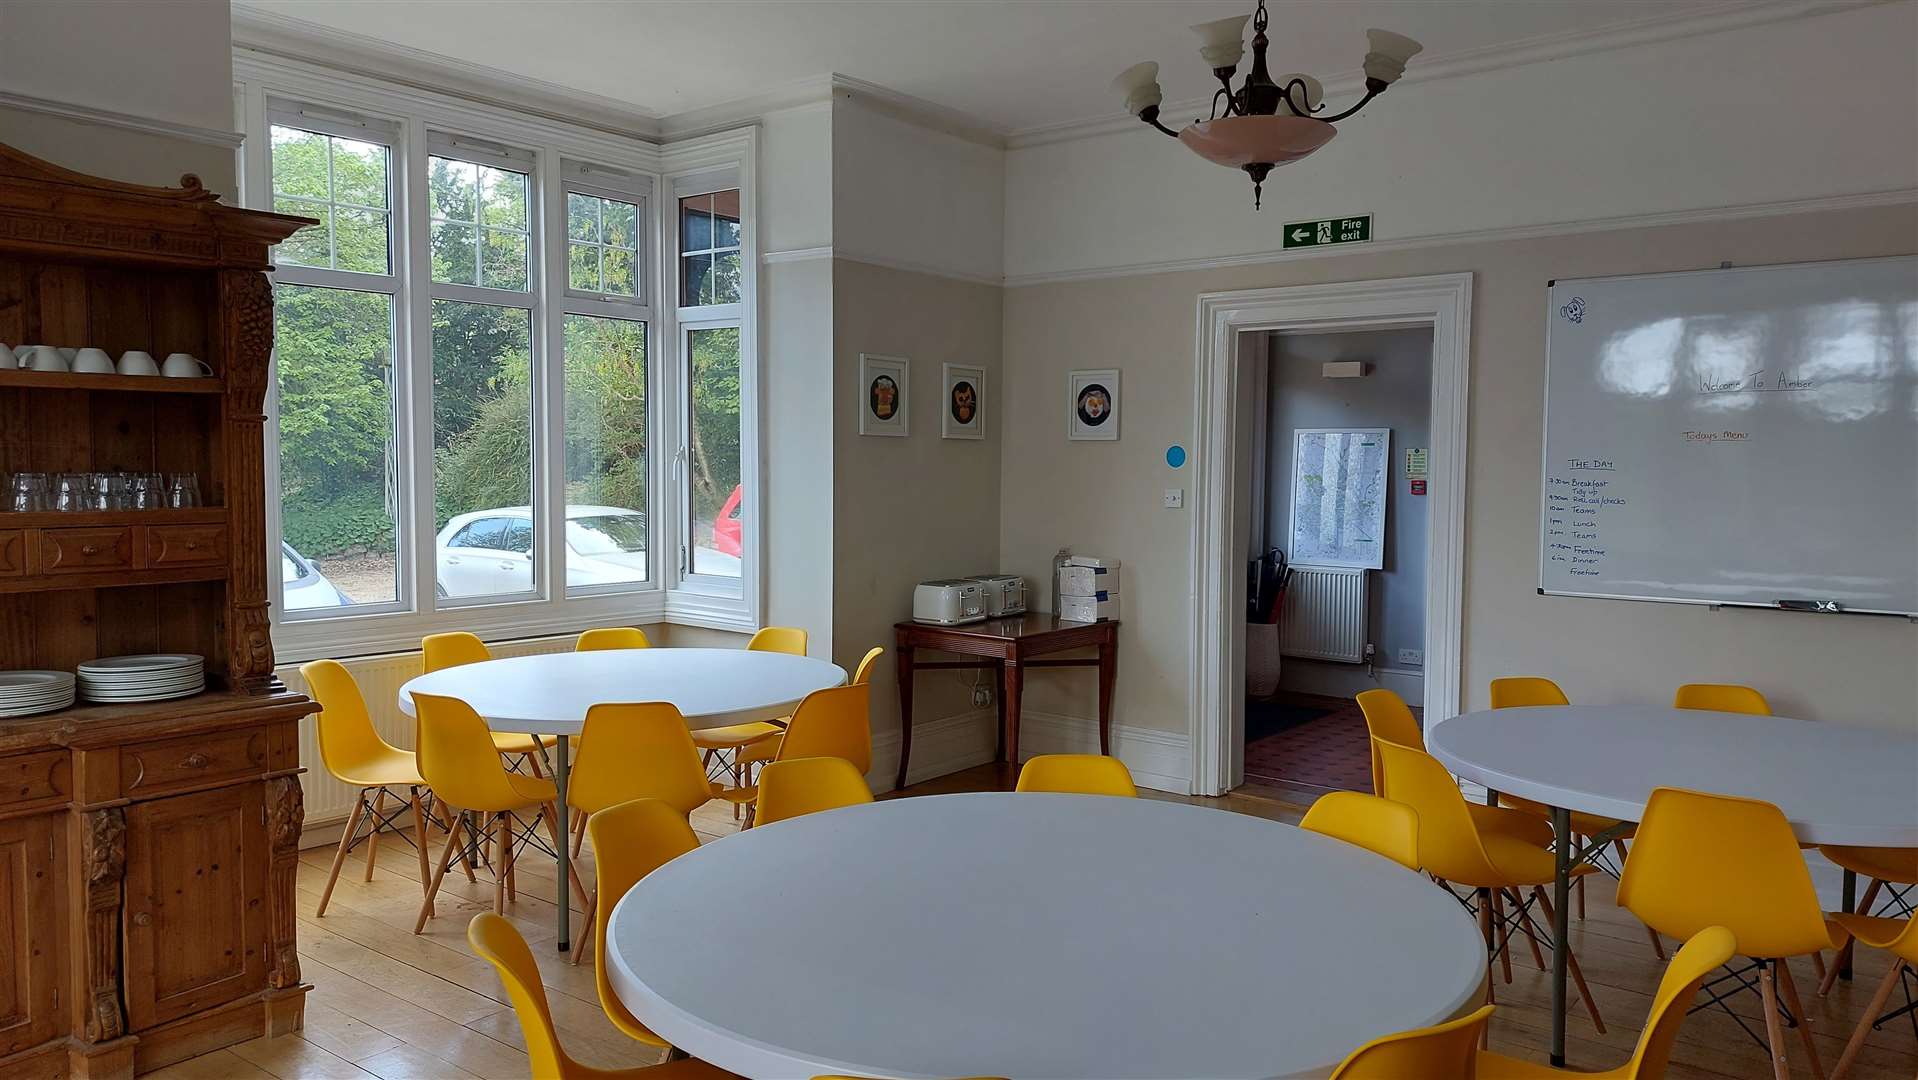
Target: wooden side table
{"type": "Point", "coordinates": [1007, 645]}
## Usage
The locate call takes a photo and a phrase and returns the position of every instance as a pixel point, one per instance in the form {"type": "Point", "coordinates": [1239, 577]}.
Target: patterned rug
{"type": "Point", "coordinates": [1313, 741]}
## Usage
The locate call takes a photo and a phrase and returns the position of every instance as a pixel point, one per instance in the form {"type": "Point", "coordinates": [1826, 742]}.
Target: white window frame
{"type": "Point", "coordinates": [556, 147]}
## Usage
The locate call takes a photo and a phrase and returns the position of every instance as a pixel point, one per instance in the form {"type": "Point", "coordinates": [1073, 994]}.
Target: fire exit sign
{"type": "Point", "coordinates": [1345, 230]}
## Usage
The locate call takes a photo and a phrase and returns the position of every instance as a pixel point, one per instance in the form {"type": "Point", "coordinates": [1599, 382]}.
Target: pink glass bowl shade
{"type": "Point", "coordinates": [1237, 141]}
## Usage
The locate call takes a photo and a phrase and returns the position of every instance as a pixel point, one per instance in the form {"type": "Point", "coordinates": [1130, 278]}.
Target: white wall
{"type": "Point", "coordinates": [910, 197]}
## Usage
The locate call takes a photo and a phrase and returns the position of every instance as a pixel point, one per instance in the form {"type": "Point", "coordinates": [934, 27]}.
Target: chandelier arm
{"type": "Point", "coordinates": [1226, 92]}
{"type": "Point", "coordinates": [1304, 98]}
{"type": "Point", "coordinates": [1155, 123]}
{"type": "Point", "coordinates": [1369, 95]}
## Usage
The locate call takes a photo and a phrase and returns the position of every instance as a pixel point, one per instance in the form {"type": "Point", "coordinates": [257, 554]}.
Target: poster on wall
{"type": "Point", "coordinates": [1093, 404]}
{"type": "Point", "coordinates": [1338, 496]}
{"type": "Point", "coordinates": [963, 416]}
{"type": "Point", "coordinates": [883, 385]}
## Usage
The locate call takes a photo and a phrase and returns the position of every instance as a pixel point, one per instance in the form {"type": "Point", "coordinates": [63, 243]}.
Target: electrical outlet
{"type": "Point", "coordinates": [981, 696]}
{"type": "Point", "coordinates": [1411, 657]}
{"type": "Point", "coordinates": [1174, 498]}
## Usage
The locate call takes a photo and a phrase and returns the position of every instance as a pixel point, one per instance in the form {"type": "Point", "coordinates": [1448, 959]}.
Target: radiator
{"type": "Point", "coordinates": [1323, 617]}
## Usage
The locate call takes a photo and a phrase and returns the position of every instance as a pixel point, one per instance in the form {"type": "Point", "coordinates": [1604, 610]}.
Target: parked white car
{"type": "Point", "coordinates": [303, 586]}
{"type": "Point", "coordinates": [490, 552]}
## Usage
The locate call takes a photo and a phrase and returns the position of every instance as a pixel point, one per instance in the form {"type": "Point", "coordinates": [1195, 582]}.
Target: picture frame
{"type": "Point", "coordinates": [1348, 530]}
{"type": "Point", "coordinates": [884, 395]}
{"type": "Point", "coordinates": [962, 407]}
{"type": "Point", "coordinates": [1092, 405]}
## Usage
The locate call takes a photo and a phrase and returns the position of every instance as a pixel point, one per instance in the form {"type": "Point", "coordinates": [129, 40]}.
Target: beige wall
{"type": "Point", "coordinates": [1104, 497]}
{"type": "Point", "coordinates": [796, 408]}
{"type": "Point", "coordinates": [908, 509]}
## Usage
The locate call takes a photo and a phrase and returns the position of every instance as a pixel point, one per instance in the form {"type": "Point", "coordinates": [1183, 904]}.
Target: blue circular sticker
{"type": "Point", "coordinates": [1175, 456]}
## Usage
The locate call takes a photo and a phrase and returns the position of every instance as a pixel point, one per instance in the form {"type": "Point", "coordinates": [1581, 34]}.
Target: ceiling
{"type": "Point", "coordinates": [1009, 65]}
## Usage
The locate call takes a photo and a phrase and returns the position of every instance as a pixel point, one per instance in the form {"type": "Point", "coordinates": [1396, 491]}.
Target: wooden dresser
{"type": "Point", "coordinates": [148, 853]}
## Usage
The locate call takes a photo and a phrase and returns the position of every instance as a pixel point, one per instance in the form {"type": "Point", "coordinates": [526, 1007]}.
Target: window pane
{"type": "Point", "coordinates": [333, 351]}
{"type": "Point", "coordinates": [582, 267]}
{"type": "Point", "coordinates": [725, 278]}
{"type": "Point", "coordinates": [622, 277]}
{"type": "Point", "coordinates": [310, 246]}
{"type": "Point", "coordinates": [726, 218]}
{"type": "Point", "coordinates": [605, 451]}
{"type": "Point", "coordinates": [455, 257]}
{"type": "Point", "coordinates": [482, 444]}
{"type": "Point", "coordinates": [504, 255]}
{"type": "Point", "coordinates": [713, 363]}
{"type": "Point", "coordinates": [299, 163]}
{"type": "Point", "coordinates": [359, 173]}
{"type": "Point", "coordinates": [343, 182]}
{"type": "Point", "coordinates": [502, 198]}
{"type": "Point", "coordinates": [696, 223]}
{"type": "Point", "coordinates": [695, 285]}
{"type": "Point", "coordinates": [452, 188]}
{"type": "Point", "coordinates": [582, 217]}
{"type": "Point", "coordinates": [622, 224]}
{"type": "Point", "coordinates": [360, 239]}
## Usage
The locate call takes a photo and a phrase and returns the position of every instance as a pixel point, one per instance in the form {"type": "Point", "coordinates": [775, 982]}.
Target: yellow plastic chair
{"type": "Point", "coordinates": [1899, 937]}
{"type": "Point", "coordinates": [1704, 860]}
{"type": "Point", "coordinates": [1388, 718]}
{"type": "Point", "coordinates": [1444, 1050]}
{"type": "Point", "coordinates": [829, 723]}
{"type": "Point", "coordinates": [1378, 825]}
{"type": "Point", "coordinates": [356, 756]}
{"type": "Point", "coordinates": [500, 944]}
{"type": "Point", "coordinates": [735, 738]}
{"type": "Point", "coordinates": [1498, 866]}
{"type": "Point", "coordinates": [765, 749]}
{"type": "Point", "coordinates": [1520, 691]}
{"type": "Point", "coordinates": [788, 789]}
{"type": "Point", "coordinates": [634, 751]}
{"type": "Point", "coordinates": [453, 649]}
{"type": "Point", "coordinates": [1893, 870]}
{"type": "Point", "coordinates": [1721, 697]}
{"type": "Point", "coordinates": [863, 673]}
{"type": "Point", "coordinates": [786, 639]}
{"type": "Point", "coordinates": [1077, 774]}
{"type": "Point", "coordinates": [631, 840]}
{"type": "Point", "coordinates": [1707, 949]}
{"type": "Point", "coordinates": [612, 637]}
{"type": "Point", "coordinates": [457, 758]}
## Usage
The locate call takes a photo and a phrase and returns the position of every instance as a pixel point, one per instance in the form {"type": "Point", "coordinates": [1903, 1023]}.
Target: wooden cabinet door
{"type": "Point", "coordinates": [31, 915]}
{"type": "Point", "coordinates": [196, 920]}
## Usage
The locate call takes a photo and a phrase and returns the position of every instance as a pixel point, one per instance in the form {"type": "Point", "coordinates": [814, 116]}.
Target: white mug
{"type": "Point", "coordinates": [181, 365]}
{"type": "Point", "coordinates": [8, 361]}
{"type": "Point", "coordinates": [44, 358]}
{"type": "Point", "coordinates": [135, 362]}
{"type": "Point", "coordinates": [68, 352]}
{"type": "Point", "coordinates": [93, 362]}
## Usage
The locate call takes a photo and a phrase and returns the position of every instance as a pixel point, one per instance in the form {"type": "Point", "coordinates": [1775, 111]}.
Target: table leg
{"type": "Point", "coordinates": [562, 771]}
{"type": "Point", "coordinates": [1561, 912]}
{"type": "Point", "coordinates": [1015, 679]}
{"type": "Point", "coordinates": [905, 712]}
{"type": "Point", "coordinates": [999, 696]}
{"type": "Point", "coordinates": [1108, 670]}
{"type": "Point", "coordinates": [1850, 901]}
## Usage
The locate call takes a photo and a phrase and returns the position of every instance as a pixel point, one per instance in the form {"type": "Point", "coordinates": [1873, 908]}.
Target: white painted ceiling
{"type": "Point", "coordinates": [1007, 64]}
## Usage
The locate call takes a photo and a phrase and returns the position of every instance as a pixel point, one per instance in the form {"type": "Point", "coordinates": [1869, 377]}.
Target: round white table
{"type": "Point", "coordinates": [549, 694]}
{"type": "Point", "coordinates": [1836, 784]}
{"type": "Point", "coordinates": [1037, 936]}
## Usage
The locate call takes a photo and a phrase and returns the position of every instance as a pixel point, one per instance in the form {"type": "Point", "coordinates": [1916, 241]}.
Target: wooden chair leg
{"type": "Point", "coordinates": [1504, 934]}
{"type": "Point", "coordinates": [419, 836]}
{"type": "Point", "coordinates": [1818, 965]}
{"type": "Point", "coordinates": [1844, 954]}
{"type": "Point", "coordinates": [583, 933]}
{"type": "Point", "coordinates": [511, 840]}
{"type": "Point", "coordinates": [1774, 1028]}
{"type": "Point", "coordinates": [373, 841]}
{"type": "Point", "coordinates": [339, 857]}
{"type": "Point", "coordinates": [1872, 1012]}
{"type": "Point", "coordinates": [1790, 988]}
{"type": "Point", "coordinates": [1581, 897]}
{"type": "Point", "coordinates": [1571, 963]}
{"type": "Point", "coordinates": [504, 844]}
{"type": "Point", "coordinates": [549, 816]}
{"type": "Point", "coordinates": [1525, 924]}
{"type": "Point", "coordinates": [579, 831]}
{"type": "Point", "coordinates": [439, 875]}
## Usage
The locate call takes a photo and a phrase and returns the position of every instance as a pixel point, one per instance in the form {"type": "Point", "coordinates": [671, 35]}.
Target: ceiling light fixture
{"type": "Point", "coordinates": [1265, 124]}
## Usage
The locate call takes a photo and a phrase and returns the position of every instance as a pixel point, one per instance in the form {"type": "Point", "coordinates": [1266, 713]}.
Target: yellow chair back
{"type": "Point", "coordinates": [348, 742]}
{"type": "Point", "coordinates": [1448, 842]}
{"type": "Point", "coordinates": [500, 944]}
{"type": "Point", "coordinates": [1703, 954]}
{"type": "Point", "coordinates": [1721, 697]}
{"type": "Point", "coordinates": [1388, 717]}
{"type": "Point", "coordinates": [1526, 690]}
{"type": "Point", "coordinates": [863, 673]}
{"type": "Point", "coordinates": [1378, 825]}
{"type": "Point", "coordinates": [1702, 860]}
{"type": "Point", "coordinates": [638, 750]}
{"type": "Point", "coordinates": [441, 651]}
{"type": "Point", "coordinates": [786, 639]}
{"type": "Point", "coordinates": [788, 789]}
{"type": "Point", "coordinates": [1077, 774]}
{"type": "Point", "coordinates": [831, 723]}
{"type": "Point", "coordinates": [630, 840]}
{"type": "Point", "coordinates": [1448, 1049]}
{"type": "Point", "coordinates": [458, 759]}
{"type": "Point", "coordinates": [612, 637]}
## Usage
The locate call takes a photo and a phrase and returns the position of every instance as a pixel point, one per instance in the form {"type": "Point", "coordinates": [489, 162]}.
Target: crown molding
{"type": "Point", "coordinates": [1823, 204]}
{"type": "Point", "coordinates": [1656, 28]}
{"type": "Point", "coordinates": [794, 255]}
{"type": "Point", "coordinates": [87, 114]}
{"type": "Point", "coordinates": [917, 111]}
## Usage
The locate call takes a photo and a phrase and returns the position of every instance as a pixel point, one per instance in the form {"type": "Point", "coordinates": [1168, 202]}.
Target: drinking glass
{"type": "Point", "coordinates": [145, 491]}
{"type": "Point", "coordinates": [27, 492]}
{"type": "Point", "coordinates": [109, 491]}
{"type": "Point", "coordinates": [70, 491]}
{"type": "Point", "coordinates": [182, 490]}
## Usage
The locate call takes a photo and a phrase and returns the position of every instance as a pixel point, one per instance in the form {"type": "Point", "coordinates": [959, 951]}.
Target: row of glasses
{"type": "Point", "coordinates": [78, 491]}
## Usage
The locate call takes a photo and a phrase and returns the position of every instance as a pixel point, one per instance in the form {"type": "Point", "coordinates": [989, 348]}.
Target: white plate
{"type": "Point", "coordinates": [25, 702]}
{"type": "Point", "coordinates": [122, 699]}
{"type": "Point", "coordinates": [144, 680]}
{"type": "Point", "coordinates": [136, 691]}
{"type": "Point", "coordinates": [51, 706]}
{"type": "Point", "coordinates": [109, 665]}
{"type": "Point", "coordinates": [27, 681]}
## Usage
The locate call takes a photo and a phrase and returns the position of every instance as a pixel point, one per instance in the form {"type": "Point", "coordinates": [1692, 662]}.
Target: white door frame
{"type": "Point", "coordinates": [1440, 301]}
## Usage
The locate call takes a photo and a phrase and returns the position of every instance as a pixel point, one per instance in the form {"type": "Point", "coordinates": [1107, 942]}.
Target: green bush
{"type": "Point", "coordinates": [354, 521]}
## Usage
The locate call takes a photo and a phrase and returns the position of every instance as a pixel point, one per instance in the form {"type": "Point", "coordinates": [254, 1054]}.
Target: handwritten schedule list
{"type": "Point", "coordinates": [1578, 495]}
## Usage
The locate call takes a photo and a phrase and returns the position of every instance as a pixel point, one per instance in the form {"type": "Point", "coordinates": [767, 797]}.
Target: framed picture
{"type": "Point", "coordinates": [1093, 405]}
{"type": "Point", "coordinates": [963, 412]}
{"type": "Point", "coordinates": [1339, 496]}
{"type": "Point", "coordinates": [883, 386]}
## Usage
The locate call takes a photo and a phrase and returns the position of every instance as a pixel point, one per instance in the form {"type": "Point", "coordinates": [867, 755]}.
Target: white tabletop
{"type": "Point", "coordinates": [1837, 784]}
{"type": "Point", "coordinates": [1037, 936]}
{"type": "Point", "coordinates": [548, 694]}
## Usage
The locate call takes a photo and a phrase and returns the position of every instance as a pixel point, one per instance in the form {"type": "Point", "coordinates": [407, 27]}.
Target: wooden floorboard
{"type": "Point", "coordinates": [391, 1004]}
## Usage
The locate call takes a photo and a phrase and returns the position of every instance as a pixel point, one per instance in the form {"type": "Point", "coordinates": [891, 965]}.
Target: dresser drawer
{"type": "Point", "coordinates": [80, 551]}
{"type": "Point", "coordinates": [191, 761]}
{"type": "Point", "coordinates": [32, 778]}
{"type": "Point", "coordinates": [13, 552]}
{"type": "Point", "coordinates": [185, 545]}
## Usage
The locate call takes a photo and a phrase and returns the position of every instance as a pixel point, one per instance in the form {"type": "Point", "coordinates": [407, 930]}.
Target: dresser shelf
{"type": "Point", "coordinates": [127, 384]}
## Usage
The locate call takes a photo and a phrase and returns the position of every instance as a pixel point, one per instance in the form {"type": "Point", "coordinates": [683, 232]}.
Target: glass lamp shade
{"type": "Point", "coordinates": [1222, 41]}
{"type": "Point", "coordinates": [1140, 85]}
{"type": "Point", "coordinates": [1314, 92]}
{"type": "Point", "coordinates": [1386, 61]}
{"type": "Point", "coordinates": [1238, 141]}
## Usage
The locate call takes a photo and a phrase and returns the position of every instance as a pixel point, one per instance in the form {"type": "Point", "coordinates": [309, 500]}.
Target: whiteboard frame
{"type": "Point", "coordinates": [1385, 490]}
{"type": "Point", "coordinates": [1545, 433]}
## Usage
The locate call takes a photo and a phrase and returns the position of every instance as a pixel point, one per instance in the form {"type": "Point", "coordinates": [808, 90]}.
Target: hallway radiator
{"type": "Point", "coordinates": [1323, 617]}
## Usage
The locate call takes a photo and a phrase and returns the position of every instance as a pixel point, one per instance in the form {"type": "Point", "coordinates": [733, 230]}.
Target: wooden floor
{"type": "Point", "coordinates": [387, 1003]}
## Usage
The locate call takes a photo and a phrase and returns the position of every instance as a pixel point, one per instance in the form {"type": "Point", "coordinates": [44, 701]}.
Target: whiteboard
{"type": "Point", "coordinates": [1338, 496]}
{"type": "Point", "coordinates": [1743, 436]}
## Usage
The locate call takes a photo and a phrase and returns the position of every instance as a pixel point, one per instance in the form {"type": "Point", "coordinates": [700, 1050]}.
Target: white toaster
{"type": "Point", "coordinates": [948, 602]}
{"type": "Point", "coordinates": [1005, 593]}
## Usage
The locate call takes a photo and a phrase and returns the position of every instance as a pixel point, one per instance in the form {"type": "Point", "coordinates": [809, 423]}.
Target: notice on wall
{"type": "Point", "coordinates": [1415, 464]}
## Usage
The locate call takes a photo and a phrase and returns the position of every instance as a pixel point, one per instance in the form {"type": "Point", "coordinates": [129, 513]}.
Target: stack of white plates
{"type": "Point", "coordinates": [23, 693]}
{"type": "Point", "coordinates": [142, 678]}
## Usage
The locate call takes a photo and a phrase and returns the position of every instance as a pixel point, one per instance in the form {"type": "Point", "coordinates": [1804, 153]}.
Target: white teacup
{"type": "Point", "coordinates": [135, 362]}
{"type": "Point", "coordinates": [92, 361]}
{"type": "Point", "coordinates": [43, 358]}
{"type": "Point", "coordinates": [8, 361]}
{"type": "Point", "coordinates": [68, 352]}
{"type": "Point", "coordinates": [181, 365]}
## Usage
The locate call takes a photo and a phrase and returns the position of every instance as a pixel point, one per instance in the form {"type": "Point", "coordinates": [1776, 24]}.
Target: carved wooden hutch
{"type": "Point", "coordinates": [147, 852]}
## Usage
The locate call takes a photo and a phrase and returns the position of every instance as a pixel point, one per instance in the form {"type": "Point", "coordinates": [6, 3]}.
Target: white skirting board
{"type": "Point", "coordinates": [1349, 680]}
{"type": "Point", "coordinates": [1159, 760]}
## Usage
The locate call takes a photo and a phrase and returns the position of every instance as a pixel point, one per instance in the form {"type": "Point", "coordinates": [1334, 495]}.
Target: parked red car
{"type": "Point", "coordinates": [726, 526]}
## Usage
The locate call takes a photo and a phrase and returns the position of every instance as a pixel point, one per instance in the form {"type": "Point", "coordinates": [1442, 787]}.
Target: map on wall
{"type": "Point", "coordinates": [1338, 496]}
